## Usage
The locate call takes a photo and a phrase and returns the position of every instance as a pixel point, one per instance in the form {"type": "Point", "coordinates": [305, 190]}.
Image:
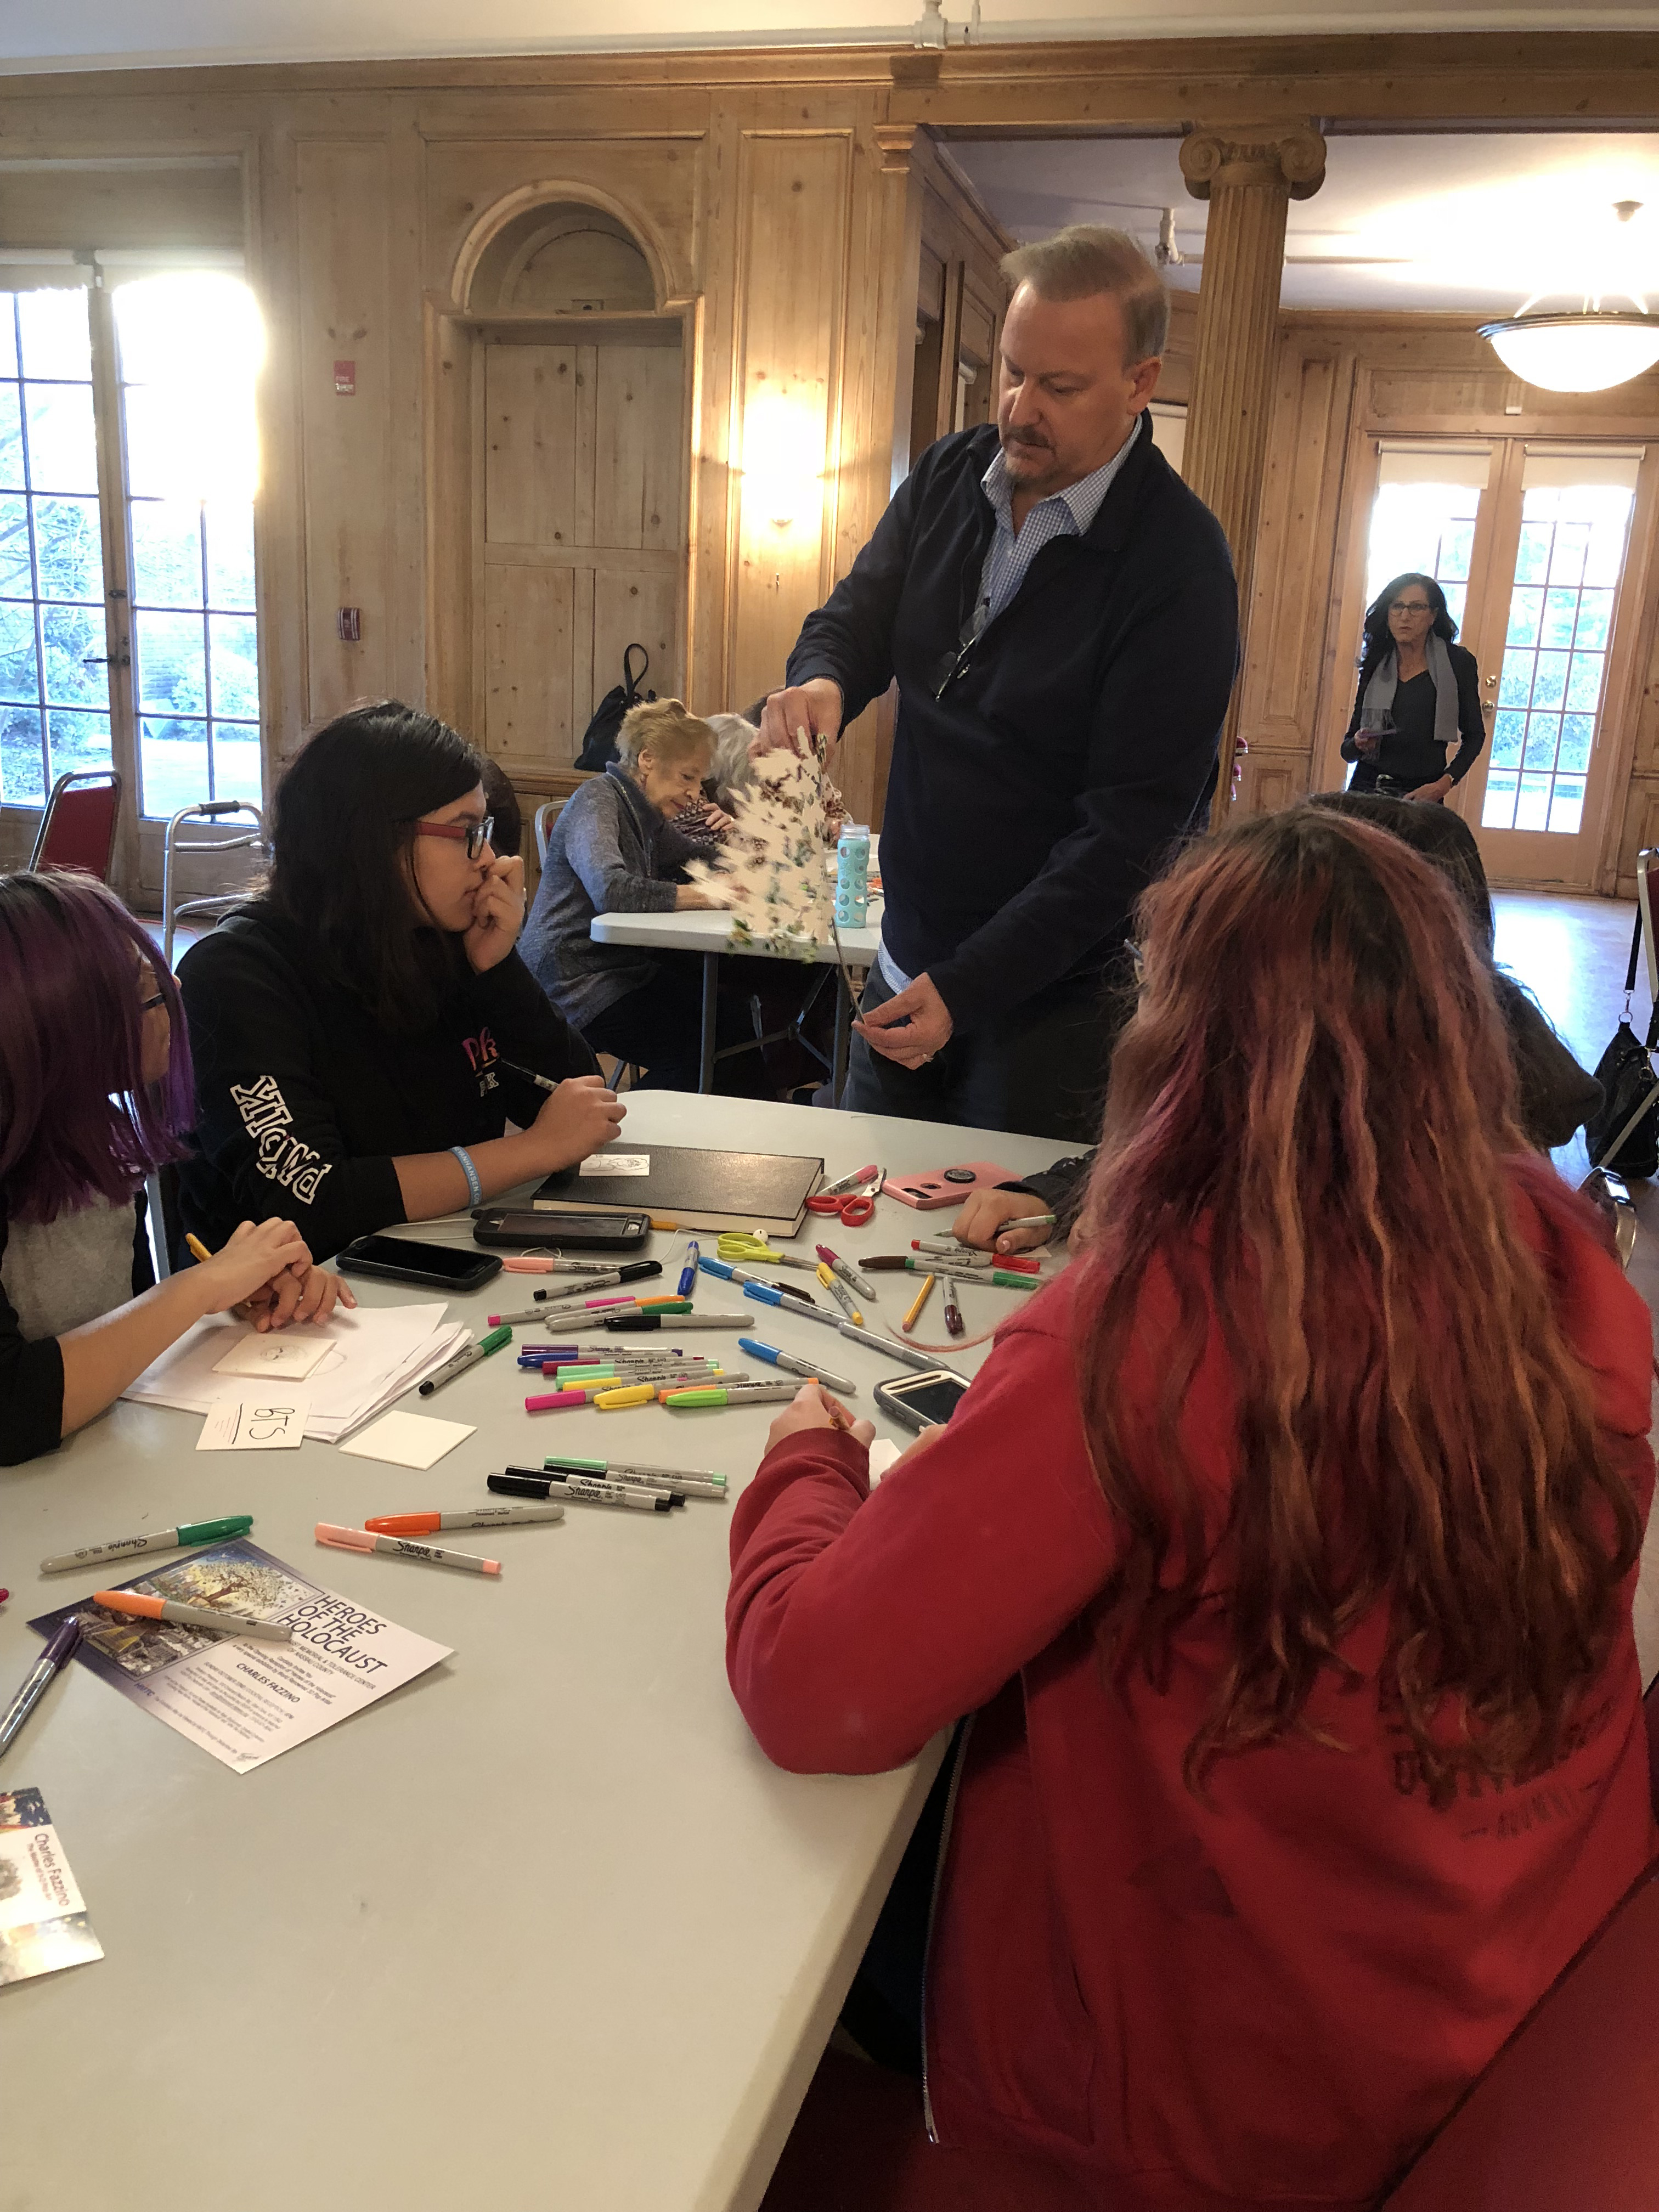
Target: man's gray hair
{"type": "Point", "coordinates": [1086, 258]}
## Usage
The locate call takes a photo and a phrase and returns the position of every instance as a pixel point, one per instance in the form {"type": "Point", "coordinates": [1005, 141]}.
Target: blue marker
{"type": "Point", "coordinates": [763, 1291]}
{"type": "Point", "coordinates": [724, 1269]}
{"type": "Point", "coordinates": [688, 1272]}
{"type": "Point", "coordinates": [791, 1365]}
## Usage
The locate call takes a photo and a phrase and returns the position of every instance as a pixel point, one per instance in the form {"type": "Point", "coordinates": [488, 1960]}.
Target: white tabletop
{"type": "Point", "coordinates": [699, 930]}
{"type": "Point", "coordinates": [542, 1930]}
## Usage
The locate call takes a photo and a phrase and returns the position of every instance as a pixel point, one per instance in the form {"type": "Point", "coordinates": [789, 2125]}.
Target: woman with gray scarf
{"type": "Point", "coordinates": [1417, 693]}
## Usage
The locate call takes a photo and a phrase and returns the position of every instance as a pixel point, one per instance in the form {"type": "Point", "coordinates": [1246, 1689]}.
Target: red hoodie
{"type": "Point", "coordinates": [1269, 2000]}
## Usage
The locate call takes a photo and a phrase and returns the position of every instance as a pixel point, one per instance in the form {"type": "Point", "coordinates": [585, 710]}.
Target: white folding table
{"type": "Point", "coordinates": [708, 934]}
{"type": "Point", "coordinates": [542, 1930]}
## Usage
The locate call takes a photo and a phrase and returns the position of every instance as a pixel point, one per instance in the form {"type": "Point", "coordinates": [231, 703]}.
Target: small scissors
{"type": "Point", "coordinates": [854, 1198]}
{"type": "Point", "coordinates": [745, 1245]}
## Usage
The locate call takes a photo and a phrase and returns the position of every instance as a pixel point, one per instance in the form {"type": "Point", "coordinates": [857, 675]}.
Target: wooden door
{"type": "Point", "coordinates": [1539, 549]}
{"type": "Point", "coordinates": [583, 535]}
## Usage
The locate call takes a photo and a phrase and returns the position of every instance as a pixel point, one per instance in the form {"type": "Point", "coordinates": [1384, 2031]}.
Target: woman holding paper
{"type": "Point", "coordinates": [361, 1030]}
{"type": "Point", "coordinates": [95, 1093]}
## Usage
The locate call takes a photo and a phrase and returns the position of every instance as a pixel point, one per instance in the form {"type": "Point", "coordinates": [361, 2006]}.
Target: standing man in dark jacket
{"type": "Point", "coordinates": [1060, 615]}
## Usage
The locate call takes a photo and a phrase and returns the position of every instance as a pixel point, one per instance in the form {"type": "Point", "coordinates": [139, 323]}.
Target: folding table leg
{"type": "Point", "coordinates": [711, 973]}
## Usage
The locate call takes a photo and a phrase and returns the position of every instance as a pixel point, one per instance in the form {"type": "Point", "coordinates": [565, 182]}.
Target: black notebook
{"type": "Point", "coordinates": [695, 1189]}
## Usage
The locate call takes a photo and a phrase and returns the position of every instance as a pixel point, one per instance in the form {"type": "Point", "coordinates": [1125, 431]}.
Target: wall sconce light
{"type": "Point", "coordinates": [781, 440]}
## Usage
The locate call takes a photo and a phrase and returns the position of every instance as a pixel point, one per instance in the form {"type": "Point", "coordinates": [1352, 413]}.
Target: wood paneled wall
{"type": "Point", "coordinates": [779, 217]}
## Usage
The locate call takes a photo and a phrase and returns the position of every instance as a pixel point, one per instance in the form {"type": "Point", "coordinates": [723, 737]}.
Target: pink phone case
{"type": "Point", "coordinates": [929, 1191]}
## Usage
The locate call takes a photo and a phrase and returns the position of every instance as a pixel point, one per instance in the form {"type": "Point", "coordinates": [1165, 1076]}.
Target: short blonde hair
{"type": "Point", "coordinates": [1089, 257]}
{"type": "Point", "coordinates": [664, 728]}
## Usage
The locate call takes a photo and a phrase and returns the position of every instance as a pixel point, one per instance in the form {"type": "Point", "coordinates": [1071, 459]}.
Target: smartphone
{"type": "Point", "coordinates": [525, 1230]}
{"type": "Point", "coordinates": [401, 1260]}
{"type": "Point", "coordinates": [925, 1400]}
{"type": "Point", "coordinates": [935, 1187]}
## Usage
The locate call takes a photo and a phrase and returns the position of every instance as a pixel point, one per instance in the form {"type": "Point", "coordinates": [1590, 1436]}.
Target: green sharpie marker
{"type": "Point", "coordinates": [160, 1540]}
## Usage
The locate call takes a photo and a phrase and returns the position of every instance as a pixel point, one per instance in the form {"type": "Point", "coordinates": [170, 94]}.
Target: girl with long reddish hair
{"type": "Point", "coordinates": [1282, 1554]}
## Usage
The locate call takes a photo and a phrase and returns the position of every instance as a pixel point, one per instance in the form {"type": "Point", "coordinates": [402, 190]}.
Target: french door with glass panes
{"type": "Point", "coordinates": [1532, 543]}
{"type": "Point", "coordinates": [128, 631]}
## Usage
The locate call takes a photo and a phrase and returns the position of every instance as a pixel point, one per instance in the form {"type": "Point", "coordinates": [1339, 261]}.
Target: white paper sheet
{"type": "Point", "coordinates": [616, 1163]}
{"type": "Point", "coordinates": [275, 1421]}
{"type": "Point", "coordinates": [279, 1353]}
{"type": "Point", "coordinates": [375, 1354]}
{"type": "Point", "coordinates": [408, 1439]}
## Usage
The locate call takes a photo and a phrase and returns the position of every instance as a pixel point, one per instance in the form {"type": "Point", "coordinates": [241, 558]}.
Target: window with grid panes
{"type": "Point", "coordinates": [188, 347]}
{"type": "Point", "coordinates": [1567, 568]}
{"type": "Point", "coordinates": [54, 691]}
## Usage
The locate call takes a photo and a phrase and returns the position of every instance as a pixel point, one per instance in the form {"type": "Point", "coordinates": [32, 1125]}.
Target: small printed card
{"type": "Point", "coordinates": [292, 1356]}
{"type": "Point", "coordinates": [275, 1421]}
{"type": "Point", "coordinates": [408, 1439]}
{"type": "Point", "coordinates": [616, 1163]}
{"type": "Point", "coordinates": [43, 1919]}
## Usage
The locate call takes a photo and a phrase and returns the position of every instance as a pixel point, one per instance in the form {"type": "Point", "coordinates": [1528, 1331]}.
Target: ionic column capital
{"type": "Point", "coordinates": [1267, 156]}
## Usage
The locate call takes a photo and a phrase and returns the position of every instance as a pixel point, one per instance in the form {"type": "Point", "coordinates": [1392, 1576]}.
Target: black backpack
{"type": "Point", "coordinates": [1624, 1136]}
{"type": "Point", "coordinates": [599, 738]}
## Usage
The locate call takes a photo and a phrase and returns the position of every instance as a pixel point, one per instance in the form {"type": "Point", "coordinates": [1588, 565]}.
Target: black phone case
{"type": "Point", "coordinates": [486, 1268]}
{"type": "Point", "coordinates": [522, 1230]}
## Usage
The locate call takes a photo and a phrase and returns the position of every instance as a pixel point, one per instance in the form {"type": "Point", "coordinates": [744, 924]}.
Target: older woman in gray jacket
{"type": "Point", "coordinates": [615, 849]}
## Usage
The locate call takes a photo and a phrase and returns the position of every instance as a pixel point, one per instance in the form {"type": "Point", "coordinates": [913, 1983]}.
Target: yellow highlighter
{"type": "Point", "coordinates": [839, 1291]}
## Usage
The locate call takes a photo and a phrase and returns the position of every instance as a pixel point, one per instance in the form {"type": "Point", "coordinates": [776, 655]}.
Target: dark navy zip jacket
{"type": "Point", "coordinates": [1035, 794]}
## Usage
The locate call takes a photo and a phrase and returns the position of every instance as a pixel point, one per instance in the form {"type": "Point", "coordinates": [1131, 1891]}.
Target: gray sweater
{"type": "Point", "coordinates": [610, 853]}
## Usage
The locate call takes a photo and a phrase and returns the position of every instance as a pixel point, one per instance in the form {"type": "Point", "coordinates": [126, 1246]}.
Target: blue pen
{"type": "Point", "coordinates": [688, 1272]}
{"type": "Point", "coordinates": [791, 1365]}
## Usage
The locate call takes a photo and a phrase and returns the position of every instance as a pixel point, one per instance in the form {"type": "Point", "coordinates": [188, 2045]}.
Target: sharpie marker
{"type": "Point", "coordinates": [839, 1293]}
{"type": "Point", "coordinates": [365, 1540]}
{"type": "Point", "coordinates": [700, 1484]}
{"type": "Point", "coordinates": [688, 1272]}
{"type": "Point", "coordinates": [1010, 1261]}
{"type": "Point", "coordinates": [192, 1616]}
{"type": "Point", "coordinates": [744, 1394]}
{"type": "Point", "coordinates": [955, 1325]}
{"type": "Point", "coordinates": [478, 1516]}
{"type": "Point", "coordinates": [764, 1294]}
{"type": "Point", "coordinates": [60, 1649]}
{"type": "Point", "coordinates": [911, 1354]}
{"type": "Point", "coordinates": [958, 1255]}
{"type": "Point", "coordinates": [582, 1489]}
{"type": "Point", "coordinates": [676, 1321]}
{"type": "Point", "coordinates": [849, 1274]}
{"type": "Point", "coordinates": [160, 1540]}
{"type": "Point", "coordinates": [555, 1263]}
{"type": "Point", "coordinates": [470, 1357]}
{"type": "Point", "coordinates": [812, 1370]}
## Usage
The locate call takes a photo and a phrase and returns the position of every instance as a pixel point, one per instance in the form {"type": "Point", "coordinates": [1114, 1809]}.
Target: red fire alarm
{"type": "Point", "coordinates": [345, 380]}
{"type": "Point", "coordinates": [350, 625]}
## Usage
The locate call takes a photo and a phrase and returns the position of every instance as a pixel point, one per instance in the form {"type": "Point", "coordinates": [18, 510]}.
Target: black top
{"type": "Point", "coordinates": [1410, 755]}
{"type": "Point", "coordinates": [1040, 773]}
{"type": "Point", "coordinates": [32, 1368]}
{"type": "Point", "coordinates": [1557, 1097]}
{"type": "Point", "coordinates": [303, 1101]}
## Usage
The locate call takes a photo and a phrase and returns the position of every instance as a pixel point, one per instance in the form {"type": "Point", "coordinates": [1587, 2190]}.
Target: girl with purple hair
{"type": "Point", "coordinates": [95, 1092]}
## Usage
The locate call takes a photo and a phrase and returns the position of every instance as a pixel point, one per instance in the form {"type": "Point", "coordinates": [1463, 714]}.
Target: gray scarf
{"type": "Point", "coordinates": [1379, 692]}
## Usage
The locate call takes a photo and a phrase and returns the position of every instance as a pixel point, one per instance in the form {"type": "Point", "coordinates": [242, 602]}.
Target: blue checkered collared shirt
{"type": "Point", "coordinates": [1065, 514]}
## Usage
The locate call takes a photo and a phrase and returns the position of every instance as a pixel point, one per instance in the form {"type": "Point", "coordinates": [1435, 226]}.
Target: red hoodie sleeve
{"type": "Point", "coordinates": [859, 1624]}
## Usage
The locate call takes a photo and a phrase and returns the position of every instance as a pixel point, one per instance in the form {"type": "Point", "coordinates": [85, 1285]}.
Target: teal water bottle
{"type": "Point", "coordinates": [852, 876]}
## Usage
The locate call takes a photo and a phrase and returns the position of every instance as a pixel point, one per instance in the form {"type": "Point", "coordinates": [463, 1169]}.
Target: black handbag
{"type": "Point", "coordinates": [1624, 1135]}
{"type": "Point", "coordinates": [599, 738]}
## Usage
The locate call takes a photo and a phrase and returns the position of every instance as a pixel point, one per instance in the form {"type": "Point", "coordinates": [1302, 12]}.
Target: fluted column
{"type": "Point", "coordinates": [1249, 176]}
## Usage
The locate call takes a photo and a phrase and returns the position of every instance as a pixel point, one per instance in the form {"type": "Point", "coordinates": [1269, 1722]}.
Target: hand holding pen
{"type": "Point", "coordinates": [813, 1407]}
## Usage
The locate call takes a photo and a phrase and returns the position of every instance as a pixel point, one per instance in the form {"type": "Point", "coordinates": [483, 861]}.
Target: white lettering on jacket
{"type": "Point", "coordinates": [283, 1158]}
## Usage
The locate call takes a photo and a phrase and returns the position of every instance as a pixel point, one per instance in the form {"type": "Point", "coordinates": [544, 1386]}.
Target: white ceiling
{"type": "Point", "coordinates": [83, 34]}
{"type": "Point", "coordinates": [1461, 223]}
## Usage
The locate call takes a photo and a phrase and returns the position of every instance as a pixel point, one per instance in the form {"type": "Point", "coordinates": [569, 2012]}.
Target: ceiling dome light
{"type": "Point", "coordinates": [1588, 352]}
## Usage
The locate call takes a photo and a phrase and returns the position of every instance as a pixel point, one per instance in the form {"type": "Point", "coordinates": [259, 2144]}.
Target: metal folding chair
{"type": "Point", "coordinates": [78, 823]}
{"type": "Point", "coordinates": [211, 811]}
